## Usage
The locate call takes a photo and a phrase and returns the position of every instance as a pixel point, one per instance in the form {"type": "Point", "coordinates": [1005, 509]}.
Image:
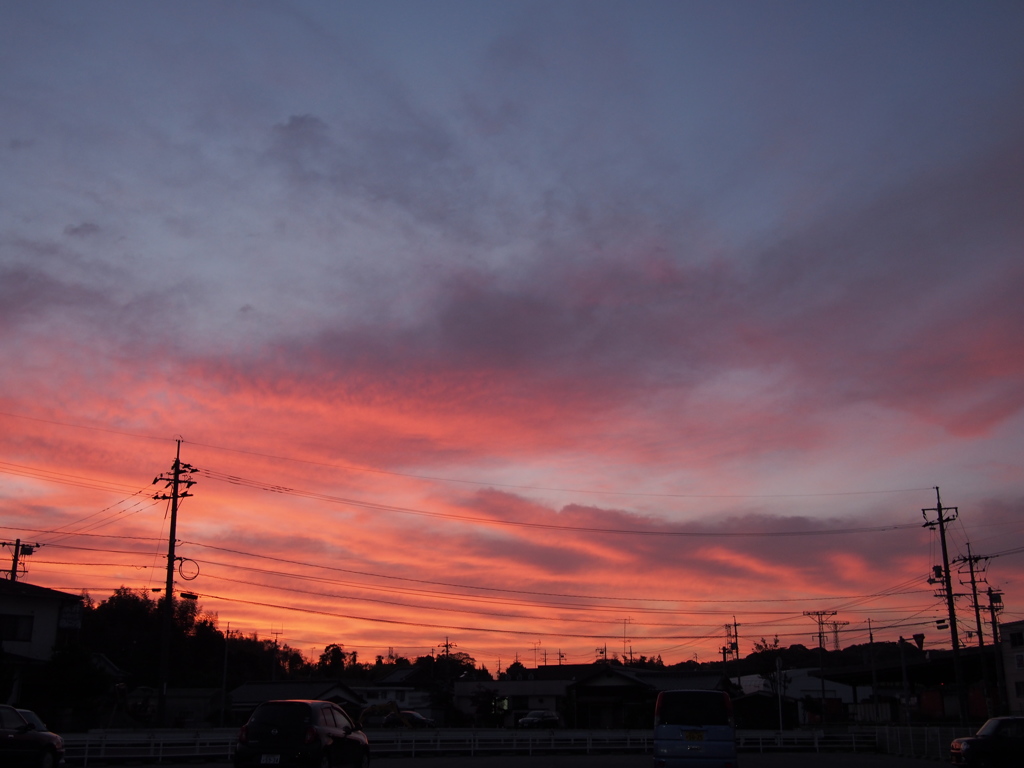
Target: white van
{"type": "Point", "coordinates": [694, 729]}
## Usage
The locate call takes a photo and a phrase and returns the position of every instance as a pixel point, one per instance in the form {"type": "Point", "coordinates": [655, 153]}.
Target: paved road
{"type": "Point", "coordinates": [746, 760]}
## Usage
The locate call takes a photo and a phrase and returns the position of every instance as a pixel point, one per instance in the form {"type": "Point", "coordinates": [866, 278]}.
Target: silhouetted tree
{"type": "Point", "coordinates": [768, 660]}
{"type": "Point", "coordinates": [514, 671]}
{"type": "Point", "coordinates": [332, 661]}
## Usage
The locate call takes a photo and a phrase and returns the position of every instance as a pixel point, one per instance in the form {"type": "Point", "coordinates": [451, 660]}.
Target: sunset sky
{"type": "Point", "coordinates": [536, 327]}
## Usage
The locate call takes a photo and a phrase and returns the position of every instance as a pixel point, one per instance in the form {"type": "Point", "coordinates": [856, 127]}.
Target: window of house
{"type": "Point", "coordinates": [1018, 688]}
{"type": "Point", "coordinates": [1019, 659]}
{"type": "Point", "coordinates": [16, 628]}
{"type": "Point", "coordinates": [1016, 639]}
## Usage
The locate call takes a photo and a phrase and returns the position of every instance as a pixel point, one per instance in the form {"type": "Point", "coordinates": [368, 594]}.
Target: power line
{"type": "Point", "coordinates": [235, 480]}
{"type": "Point", "coordinates": [505, 590]}
{"type": "Point", "coordinates": [890, 591]}
{"type": "Point", "coordinates": [82, 426]}
{"type": "Point", "coordinates": [488, 600]}
{"type": "Point", "coordinates": [521, 605]}
{"type": "Point", "coordinates": [76, 533]}
{"type": "Point", "coordinates": [422, 625]}
{"type": "Point", "coordinates": [62, 478]}
{"type": "Point", "coordinates": [438, 479]}
{"type": "Point", "coordinates": [412, 476]}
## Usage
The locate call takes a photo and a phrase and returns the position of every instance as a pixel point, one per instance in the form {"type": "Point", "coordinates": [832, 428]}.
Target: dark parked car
{"type": "Point", "coordinates": [999, 742]}
{"type": "Point", "coordinates": [24, 741]}
{"type": "Point", "coordinates": [301, 733]}
{"type": "Point", "coordinates": [33, 718]}
{"type": "Point", "coordinates": [539, 718]}
{"type": "Point", "coordinates": [407, 719]}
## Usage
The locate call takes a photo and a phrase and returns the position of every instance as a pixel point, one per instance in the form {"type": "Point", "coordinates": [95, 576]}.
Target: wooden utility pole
{"type": "Point", "coordinates": [819, 616]}
{"type": "Point", "coordinates": [940, 521]}
{"type": "Point", "coordinates": [971, 561]}
{"type": "Point", "coordinates": [995, 605]}
{"type": "Point", "coordinates": [20, 550]}
{"type": "Point", "coordinates": [180, 476]}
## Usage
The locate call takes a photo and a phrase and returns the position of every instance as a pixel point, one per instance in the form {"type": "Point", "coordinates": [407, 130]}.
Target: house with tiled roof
{"type": "Point", "coordinates": [601, 695]}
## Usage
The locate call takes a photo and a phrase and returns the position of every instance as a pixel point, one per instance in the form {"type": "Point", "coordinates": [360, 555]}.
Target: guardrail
{"type": "Point", "coordinates": [476, 741]}
{"type": "Point", "coordinates": [806, 741]}
{"type": "Point", "coordinates": [216, 745]}
{"type": "Point", "coordinates": [931, 742]}
{"type": "Point", "coordinates": [156, 746]}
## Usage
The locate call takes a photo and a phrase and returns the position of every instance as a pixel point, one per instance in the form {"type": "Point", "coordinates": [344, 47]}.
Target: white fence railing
{"type": "Point", "coordinates": [806, 741]}
{"type": "Point", "coordinates": [919, 741]}
{"type": "Point", "coordinates": [105, 747]}
{"type": "Point", "coordinates": [500, 741]}
{"type": "Point", "coordinates": [98, 748]}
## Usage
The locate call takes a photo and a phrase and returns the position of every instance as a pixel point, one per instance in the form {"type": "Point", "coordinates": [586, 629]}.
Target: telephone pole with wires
{"type": "Point", "coordinates": [972, 561]}
{"type": "Point", "coordinates": [178, 483]}
{"type": "Point", "coordinates": [940, 522]}
{"type": "Point", "coordinates": [819, 617]}
{"type": "Point", "coordinates": [20, 550]}
{"type": "Point", "coordinates": [995, 605]}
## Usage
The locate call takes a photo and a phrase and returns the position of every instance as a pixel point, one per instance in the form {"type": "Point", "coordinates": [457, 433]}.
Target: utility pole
{"type": "Point", "coordinates": [224, 678]}
{"type": "Point", "coordinates": [995, 605]}
{"type": "Point", "coordinates": [277, 655]}
{"type": "Point", "coordinates": [181, 475]}
{"type": "Point", "coordinates": [971, 561]}
{"type": "Point", "coordinates": [20, 551]}
{"type": "Point", "coordinates": [874, 671]}
{"type": "Point", "coordinates": [448, 645]}
{"type": "Point", "coordinates": [940, 522]}
{"type": "Point", "coordinates": [819, 616]}
{"type": "Point", "coordinates": [906, 680]}
{"type": "Point", "coordinates": [732, 648]}
{"type": "Point", "coordinates": [736, 651]}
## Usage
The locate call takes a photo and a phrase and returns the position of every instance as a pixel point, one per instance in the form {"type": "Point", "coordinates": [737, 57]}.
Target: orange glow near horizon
{"type": "Point", "coordinates": [380, 560]}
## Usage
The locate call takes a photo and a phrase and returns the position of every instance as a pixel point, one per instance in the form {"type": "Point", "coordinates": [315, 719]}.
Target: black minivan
{"type": "Point", "coordinates": [694, 729]}
{"type": "Point", "coordinates": [308, 733]}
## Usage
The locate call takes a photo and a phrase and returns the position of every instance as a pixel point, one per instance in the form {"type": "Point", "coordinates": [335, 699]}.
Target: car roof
{"type": "Point", "coordinates": [296, 700]}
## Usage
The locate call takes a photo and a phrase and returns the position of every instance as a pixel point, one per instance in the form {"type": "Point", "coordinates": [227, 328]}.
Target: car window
{"type": "Point", "coordinates": [283, 713]}
{"type": "Point", "coordinates": [692, 708]}
{"type": "Point", "coordinates": [327, 717]}
{"type": "Point", "coordinates": [1012, 729]}
{"type": "Point", "coordinates": [10, 719]}
{"type": "Point", "coordinates": [32, 719]}
{"type": "Point", "coordinates": [342, 718]}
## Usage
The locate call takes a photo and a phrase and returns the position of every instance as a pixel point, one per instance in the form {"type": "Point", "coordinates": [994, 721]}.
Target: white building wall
{"type": "Point", "coordinates": [804, 682]}
{"type": "Point", "coordinates": [43, 617]}
{"type": "Point", "coordinates": [1012, 647]}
